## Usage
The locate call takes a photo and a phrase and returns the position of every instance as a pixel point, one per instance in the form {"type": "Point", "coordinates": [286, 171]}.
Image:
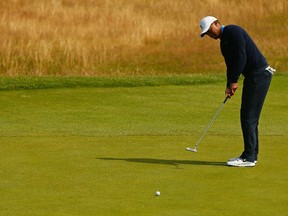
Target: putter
{"type": "Point", "coordinates": [216, 114]}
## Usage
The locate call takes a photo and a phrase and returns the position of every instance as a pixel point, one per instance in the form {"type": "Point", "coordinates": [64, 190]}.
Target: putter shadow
{"type": "Point", "coordinates": [166, 162]}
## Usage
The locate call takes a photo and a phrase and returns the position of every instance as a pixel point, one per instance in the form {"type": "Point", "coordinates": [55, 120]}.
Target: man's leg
{"type": "Point", "coordinates": [253, 96]}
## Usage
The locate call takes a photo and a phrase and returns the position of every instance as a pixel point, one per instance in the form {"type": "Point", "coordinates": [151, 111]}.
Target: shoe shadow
{"type": "Point", "coordinates": [166, 162]}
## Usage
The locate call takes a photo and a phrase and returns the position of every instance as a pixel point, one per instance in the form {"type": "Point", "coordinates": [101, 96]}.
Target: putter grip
{"type": "Point", "coordinates": [226, 99]}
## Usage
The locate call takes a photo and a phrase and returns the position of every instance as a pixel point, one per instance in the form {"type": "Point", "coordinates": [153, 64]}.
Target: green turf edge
{"type": "Point", "coordinates": [28, 82]}
{"type": "Point", "coordinates": [32, 82]}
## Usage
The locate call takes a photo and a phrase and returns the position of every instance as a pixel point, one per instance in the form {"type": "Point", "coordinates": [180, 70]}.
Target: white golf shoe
{"type": "Point", "coordinates": [237, 158]}
{"type": "Point", "coordinates": [239, 162]}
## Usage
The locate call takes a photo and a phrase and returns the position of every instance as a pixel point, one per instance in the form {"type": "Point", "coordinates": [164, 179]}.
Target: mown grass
{"type": "Point", "coordinates": [30, 82]}
{"type": "Point", "coordinates": [105, 151]}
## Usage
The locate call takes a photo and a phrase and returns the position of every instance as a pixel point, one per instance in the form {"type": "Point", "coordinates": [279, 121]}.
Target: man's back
{"type": "Point", "coordinates": [240, 52]}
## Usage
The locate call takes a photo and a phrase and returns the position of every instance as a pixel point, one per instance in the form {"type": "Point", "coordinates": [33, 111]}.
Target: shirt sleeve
{"type": "Point", "coordinates": [236, 57]}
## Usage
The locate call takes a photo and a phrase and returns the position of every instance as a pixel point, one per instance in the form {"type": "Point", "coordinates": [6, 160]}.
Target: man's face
{"type": "Point", "coordinates": [214, 30]}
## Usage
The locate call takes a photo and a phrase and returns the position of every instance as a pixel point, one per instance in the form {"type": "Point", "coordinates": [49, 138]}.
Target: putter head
{"type": "Point", "coordinates": [191, 149]}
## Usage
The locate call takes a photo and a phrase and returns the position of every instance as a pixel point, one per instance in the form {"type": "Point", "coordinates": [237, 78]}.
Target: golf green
{"type": "Point", "coordinates": [106, 151]}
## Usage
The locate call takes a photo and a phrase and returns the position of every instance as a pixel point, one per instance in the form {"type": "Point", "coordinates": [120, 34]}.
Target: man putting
{"type": "Point", "coordinates": [242, 56]}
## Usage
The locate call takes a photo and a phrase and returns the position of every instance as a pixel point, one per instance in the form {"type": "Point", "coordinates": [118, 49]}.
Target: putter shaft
{"type": "Point", "coordinates": [213, 119]}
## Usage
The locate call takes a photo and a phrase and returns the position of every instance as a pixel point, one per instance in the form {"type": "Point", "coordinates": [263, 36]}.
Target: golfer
{"type": "Point", "coordinates": [242, 57]}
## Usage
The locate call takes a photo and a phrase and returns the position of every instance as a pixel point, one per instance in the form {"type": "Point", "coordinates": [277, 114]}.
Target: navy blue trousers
{"type": "Point", "coordinates": [255, 88]}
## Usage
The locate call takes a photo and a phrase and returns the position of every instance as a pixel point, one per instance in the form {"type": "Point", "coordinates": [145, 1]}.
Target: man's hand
{"type": "Point", "coordinates": [231, 90]}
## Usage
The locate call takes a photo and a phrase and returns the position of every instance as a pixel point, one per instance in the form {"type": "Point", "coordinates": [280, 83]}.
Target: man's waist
{"type": "Point", "coordinates": [260, 69]}
{"type": "Point", "coordinates": [250, 72]}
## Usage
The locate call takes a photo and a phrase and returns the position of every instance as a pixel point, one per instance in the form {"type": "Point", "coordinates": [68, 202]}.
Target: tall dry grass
{"type": "Point", "coordinates": [130, 37]}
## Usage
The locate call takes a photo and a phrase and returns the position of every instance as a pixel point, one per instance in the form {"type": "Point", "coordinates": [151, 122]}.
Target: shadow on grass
{"type": "Point", "coordinates": [166, 162]}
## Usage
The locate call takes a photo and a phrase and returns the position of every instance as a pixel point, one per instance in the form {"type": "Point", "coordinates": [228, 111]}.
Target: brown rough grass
{"type": "Point", "coordinates": [130, 37]}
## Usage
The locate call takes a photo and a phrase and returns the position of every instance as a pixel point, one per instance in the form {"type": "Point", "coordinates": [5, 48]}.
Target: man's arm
{"type": "Point", "coordinates": [235, 55]}
{"type": "Point", "coordinates": [235, 58]}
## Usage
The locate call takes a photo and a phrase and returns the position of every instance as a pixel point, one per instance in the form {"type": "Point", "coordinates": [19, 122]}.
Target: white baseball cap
{"type": "Point", "coordinates": [205, 24]}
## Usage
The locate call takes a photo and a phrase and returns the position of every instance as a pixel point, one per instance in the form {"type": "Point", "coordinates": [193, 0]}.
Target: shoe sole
{"type": "Point", "coordinates": [242, 165]}
{"type": "Point", "coordinates": [233, 159]}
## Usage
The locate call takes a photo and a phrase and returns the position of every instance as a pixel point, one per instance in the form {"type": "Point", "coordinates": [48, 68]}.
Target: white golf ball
{"type": "Point", "coordinates": [157, 193]}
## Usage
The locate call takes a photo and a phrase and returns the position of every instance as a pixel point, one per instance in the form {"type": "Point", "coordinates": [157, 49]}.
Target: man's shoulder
{"type": "Point", "coordinates": [233, 28]}
{"type": "Point", "coordinates": [231, 32]}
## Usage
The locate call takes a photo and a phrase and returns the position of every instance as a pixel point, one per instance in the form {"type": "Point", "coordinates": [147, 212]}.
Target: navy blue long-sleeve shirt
{"type": "Point", "coordinates": [240, 53]}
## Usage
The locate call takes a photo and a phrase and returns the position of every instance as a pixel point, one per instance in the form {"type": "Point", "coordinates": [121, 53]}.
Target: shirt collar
{"type": "Point", "coordinates": [222, 30]}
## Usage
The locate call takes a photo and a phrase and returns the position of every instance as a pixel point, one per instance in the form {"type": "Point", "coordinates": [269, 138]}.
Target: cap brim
{"type": "Point", "coordinates": [203, 34]}
{"type": "Point", "coordinates": [204, 31]}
